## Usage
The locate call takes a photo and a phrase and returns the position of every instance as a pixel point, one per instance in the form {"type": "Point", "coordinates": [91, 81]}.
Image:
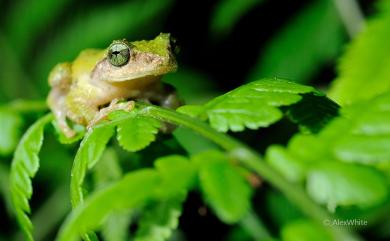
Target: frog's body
{"type": "Point", "coordinates": [99, 77]}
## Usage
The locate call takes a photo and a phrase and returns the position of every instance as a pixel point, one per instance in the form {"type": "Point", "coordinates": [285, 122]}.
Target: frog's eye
{"type": "Point", "coordinates": [118, 54]}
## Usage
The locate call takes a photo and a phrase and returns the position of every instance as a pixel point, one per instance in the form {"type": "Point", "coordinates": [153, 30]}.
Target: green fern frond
{"type": "Point", "coordinates": [258, 104]}
{"type": "Point", "coordinates": [341, 163]}
{"type": "Point", "coordinates": [223, 186]}
{"type": "Point", "coordinates": [131, 191]}
{"type": "Point", "coordinates": [24, 166]}
{"type": "Point", "coordinates": [89, 152]}
{"type": "Point", "coordinates": [134, 190]}
{"type": "Point", "coordinates": [137, 132]}
{"type": "Point", "coordinates": [158, 222]}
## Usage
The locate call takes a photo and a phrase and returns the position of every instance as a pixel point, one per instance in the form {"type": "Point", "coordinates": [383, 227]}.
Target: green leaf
{"type": "Point", "coordinates": [223, 186]}
{"type": "Point", "coordinates": [227, 13]}
{"type": "Point", "coordinates": [89, 152]}
{"type": "Point", "coordinates": [10, 123]}
{"type": "Point", "coordinates": [130, 192]}
{"type": "Point", "coordinates": [24, 166]}
{"type": "Point", "coordinates": [367, 132]}
{"type": "Point", "coordinates": [106, 171]}
{"type": "Point", "coordinates": [361, 135]}
{"type": "Point", "coordinates": [364, 70]}
{"type": "Point", "coordinates": [305, 230]}
{"type": "Point", "coordinates": [308, 41]}
{"type": "Point", "coordinates": [137, 132]}
{"type": "Point", "coordinates": [158, 222]}
{"type": "Point", "coordinates": [116, 226]}
{"type": "Point", "coordinates": [337, 183]}
{"type": "Point", "coordinates": [256, 105]}
{"type": "Point", "coordinates": [173, 168]}
{"type": "Point", "coordinates": [252, 105]}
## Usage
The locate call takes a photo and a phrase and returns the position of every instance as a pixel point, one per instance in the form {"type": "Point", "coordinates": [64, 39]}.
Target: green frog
{"type": "Point", "coordinates": [100, 81]}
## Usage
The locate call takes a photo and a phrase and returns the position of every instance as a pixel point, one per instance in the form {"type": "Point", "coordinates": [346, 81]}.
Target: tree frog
{"type": "Point", "coordinates": [87, 89]}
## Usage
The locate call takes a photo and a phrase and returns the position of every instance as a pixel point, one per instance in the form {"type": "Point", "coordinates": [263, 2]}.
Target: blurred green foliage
{"type": "Point", "coordinates": [227, 13]}
{"type": "Point", "coordinates": [311, 39]}
{"type": "Point", "coordinates": [365, 67]}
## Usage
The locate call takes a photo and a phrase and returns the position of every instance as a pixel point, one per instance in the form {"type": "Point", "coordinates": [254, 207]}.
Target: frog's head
{"type": "Point", "coordinates": [126, 61]}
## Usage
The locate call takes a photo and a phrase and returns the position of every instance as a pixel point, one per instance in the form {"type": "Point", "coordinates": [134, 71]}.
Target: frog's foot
{"type": "Point", "coordinates": [114, 106]}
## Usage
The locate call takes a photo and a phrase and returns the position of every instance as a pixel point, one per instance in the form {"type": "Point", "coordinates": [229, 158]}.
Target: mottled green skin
{"type": "Point", "coordinates": [81, 88]}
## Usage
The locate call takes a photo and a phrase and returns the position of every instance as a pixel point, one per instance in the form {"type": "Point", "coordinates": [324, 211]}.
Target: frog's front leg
{"type": "Point", "coordinates": [56, 101]}
{"type": "Point", "coordinates": [114, 105]}
{"type": "Point", "coordinates": [60, 81]}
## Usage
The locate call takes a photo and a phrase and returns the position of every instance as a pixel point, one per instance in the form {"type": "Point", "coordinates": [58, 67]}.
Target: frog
{"type": "Point", "coordinates": [100, 81]}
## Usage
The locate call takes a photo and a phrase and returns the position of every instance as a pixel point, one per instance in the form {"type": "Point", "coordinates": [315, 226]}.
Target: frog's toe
{"type": "Point", "coordinates": [69, 133]}
{"type": "Point", "coordinates": [114, 106]}
{"type": "Point", "coordinates": [126, 106]}
{"type": "Point", "coordinates": [66, 130]}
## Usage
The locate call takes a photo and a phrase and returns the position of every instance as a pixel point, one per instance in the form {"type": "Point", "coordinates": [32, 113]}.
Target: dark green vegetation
{"type": "Point", "coordinates": [269, 160]}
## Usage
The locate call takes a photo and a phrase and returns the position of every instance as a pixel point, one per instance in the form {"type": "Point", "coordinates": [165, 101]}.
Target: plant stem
{"type": "Point", "coordinates": [23, 106]}
{"type": "Point", "coordinates": [351, 15]}
{"type": "Point", "coordinates": [255, 227]}
{"type": "Point", "coordinates": [254, 162]}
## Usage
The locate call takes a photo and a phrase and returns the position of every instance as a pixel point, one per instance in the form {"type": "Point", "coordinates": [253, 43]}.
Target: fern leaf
{"type": "Point", "coordinates": [338, 162]}
{"type": "Point", "coordinates": [223, 186]}
{"type": "Point", "coordinates": [306, 230]}
{"type": "Point", "coordinates": [137, 132]}
{"type": "Point", "coordinates": [130, 192]}
{"type": "Point", "coordinates": [158, 222]}
{"type": "Point", "coordinates": [89, 152]}
{"type": "Point", "coordinates": [24, 166]}
{"type": "Point", "coordinates": [258, 103]}
{"type": "Point", "coordinates": [340, 184]}
{"type": "Point", "coordinates": [171, 169]}
{"type": "Point", "coordinates": [106, 171]}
